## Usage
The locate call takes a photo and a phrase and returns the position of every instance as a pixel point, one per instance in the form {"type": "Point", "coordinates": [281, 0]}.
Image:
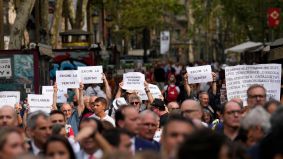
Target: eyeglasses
{"type": "Point", "coordinates": [149, 125]}
{"type": "Point", "coordinates": [135, 103]}
{"type": "Point", "coordinates": [68, 110]}
{"type": "Point", "coordinates": [257, 96]}
{"type": "Point", "coordinates": [234, 112]}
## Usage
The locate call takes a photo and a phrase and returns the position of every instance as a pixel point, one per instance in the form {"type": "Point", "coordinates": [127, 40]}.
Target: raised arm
{"type": "Point", "coordinates": [186, 84]}
{"type": "Point", "coordinates": [107, 88]}
{"type": "Point", "coordinates": [55, 91]}
{"type": "Point", "coordinates": [81, 105]}
{"type": "Point", "coordinates": [148, 93]}
{"type": "Point", "coordinates": [214, 86]}
{"type": "Point", "coordinates": [18, 109]}
{"type": "Point", "coordinates": [119, 91]}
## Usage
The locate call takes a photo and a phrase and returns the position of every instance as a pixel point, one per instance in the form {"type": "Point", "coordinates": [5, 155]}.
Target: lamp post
{"type": "Point", "coordinates": [95, 21]}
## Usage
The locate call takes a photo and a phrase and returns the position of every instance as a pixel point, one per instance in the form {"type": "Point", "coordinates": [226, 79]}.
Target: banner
{"type": "Point", "coordinates": [5, 68]}
{"type": "Point", "coordinates": [273, 17]}
{"type": "Point", "coordinates": [164, 42]}
{"type": "Point", "coordinates": [15, 94]}
{"type": "Point", "coordinates": [239, 78]}
{"type": "Point", "coordinates": [133, 81]}
{"type": "Point", "coordinates": [199, 74]}
{"type": "Point", "coordinates": [40, 102]}
{"type": "Point", "coordinates": [91, 74]}
{"type": "Point", "coordinates": [68, 79]}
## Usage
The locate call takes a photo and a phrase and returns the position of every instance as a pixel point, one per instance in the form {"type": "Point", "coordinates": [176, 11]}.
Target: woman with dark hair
{"type": "Point", "coordinates": [58, 147]}
{"type": "Point", "coordinates": [11, 142]}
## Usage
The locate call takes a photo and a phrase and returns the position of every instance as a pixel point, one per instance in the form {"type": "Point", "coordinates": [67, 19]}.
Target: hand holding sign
{"type": "Point", "coordinates": [133, 81]}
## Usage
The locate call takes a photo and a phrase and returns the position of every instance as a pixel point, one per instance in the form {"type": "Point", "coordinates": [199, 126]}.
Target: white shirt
{"type": "Point", "coordinates": [83, 155]}
{"type": "Point", "coordinates": [106, 118]}
{"type": "Point", "coordinates": [35, 149]}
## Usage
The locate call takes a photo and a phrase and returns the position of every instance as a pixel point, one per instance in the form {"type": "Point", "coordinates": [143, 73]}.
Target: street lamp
{"type": "Point", "coordinates": [95, 21]}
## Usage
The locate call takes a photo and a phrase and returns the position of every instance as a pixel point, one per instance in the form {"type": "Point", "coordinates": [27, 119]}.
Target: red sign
{"type": "Point", "coordinates": [273, 17]}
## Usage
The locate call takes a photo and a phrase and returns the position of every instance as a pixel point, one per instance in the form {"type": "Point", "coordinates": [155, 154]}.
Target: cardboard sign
{"type": "Point", "coordinates": [199, 74]}
{"type": "Point", "coordinates": [239, 78]}
{"type": "Point", "coordinates": [11, 101]}
{"type": "Point", "coordinates": [47, 90]}
{"type": "Point", "coordinates": [133, 81]}
{"type": "Point", "coordinates": [5, 68]}
{"type": "Point", "coordinates": [40, 102]}
{"type": "Point", "coordinates": [68, 79]}
{"type": "Point", "coordinates": [91, 74]}
{"type": "Point", "coordinates": [15, 94]}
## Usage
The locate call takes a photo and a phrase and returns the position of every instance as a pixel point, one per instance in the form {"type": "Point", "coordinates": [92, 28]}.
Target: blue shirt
{"type": "Point", "coordinates": [74, 121]}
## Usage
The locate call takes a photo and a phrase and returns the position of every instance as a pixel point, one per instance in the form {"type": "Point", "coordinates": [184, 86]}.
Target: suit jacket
{"type": "Point", "coordinates": [141, 145]}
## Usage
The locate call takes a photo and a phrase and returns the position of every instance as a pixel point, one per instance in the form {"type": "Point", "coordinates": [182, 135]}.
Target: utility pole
{"type": "Point", "coordinates": [1, 26]}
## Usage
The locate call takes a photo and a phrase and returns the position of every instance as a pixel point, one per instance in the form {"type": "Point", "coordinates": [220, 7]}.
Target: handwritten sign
{"type": "Point", "coordinates": [61, 98]}
{"type": "Point", "coordinates": [40, 102]}
{"type": "Point", "coordinates": [5, 68]}
{"type": "Point", "coordinates": [91, 74]}
{"type": "Point", "coordinates": [133, 81]}
{"type": "Point", "coordinates": [239, 78]}
{"type": "Point", "coordinates": [15, 94]}
{"type": "Point", "coordinates": [68, 78]}
{"type": "Point", "coordinates": [47, 90]}
{"type": "Point", "coordinates": [199, 74]}
{"type": "Point", "coordinates": [11, 101]}
{"type": "Point", "coordinates": [154, 90]}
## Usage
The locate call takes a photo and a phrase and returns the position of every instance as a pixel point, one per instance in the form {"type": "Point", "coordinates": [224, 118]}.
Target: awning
{"type": "Point", "coordinates": [247, 46]}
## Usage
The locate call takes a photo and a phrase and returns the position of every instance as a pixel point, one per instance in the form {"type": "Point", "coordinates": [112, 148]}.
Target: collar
{"type": "Point", "coordinates": [35, 149]}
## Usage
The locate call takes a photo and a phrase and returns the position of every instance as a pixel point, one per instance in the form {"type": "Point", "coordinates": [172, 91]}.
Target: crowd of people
{"type": "Point", "coordinates": [189, 121]}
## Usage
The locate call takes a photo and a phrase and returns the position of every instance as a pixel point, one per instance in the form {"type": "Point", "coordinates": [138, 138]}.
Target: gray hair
{"type": "Point", "coordinates": [14, 113]}
{"type": "Point", "coordinates": [32, 118]}
{"type": "Point", "coordinates": [145, 112]}
{"type": "Point", "coordinates": [257, 117]}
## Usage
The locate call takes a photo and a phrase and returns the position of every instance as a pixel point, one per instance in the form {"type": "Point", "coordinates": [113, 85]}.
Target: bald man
{"type": "Point", "coordinates": [8, 116]}
{"type": "Point", "coordinates": [192, 109]}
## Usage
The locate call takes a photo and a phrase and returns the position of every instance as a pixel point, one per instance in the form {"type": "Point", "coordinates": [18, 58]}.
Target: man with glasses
{"type": "Point", "coordinates": [148, 126]}
{"type": "Point", "coordinates": [256, 95]}
{"type": "Point", "coordinates": [232, 115]}
{"type": "Point", "coordinates": [174, 133]}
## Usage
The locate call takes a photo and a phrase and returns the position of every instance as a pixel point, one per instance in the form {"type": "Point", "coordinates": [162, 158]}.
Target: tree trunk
{"type": "Point", "coordinates": [20, 24]}
{"type": "Point", "coordinates": [80, 14]}
{"type": "Point", "coordinates": [190, 23]}
{"type": "Point", "coordinates": [71, 10]}
{"type": "Point", "coordinates": [44, 21]}
{"type": "Point", "coordinates": [56, 22]}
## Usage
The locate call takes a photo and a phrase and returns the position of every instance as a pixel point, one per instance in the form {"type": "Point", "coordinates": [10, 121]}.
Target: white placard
{"type": "Point", "coordinates": [164, 42]}
{"type": "Point", "coordinates": [199, 74]}
{"type": "Point", "coordinates": [5, 68]}
{"type": "Point", "coordinates": [91, 74]}
{"type": "Point", "coordinates": [61, 98]}
{"type": "Point", "coordinates": [142, 94]}
{"type": "Point", "coordinates": [68, 78]}
{"type": "Point", "coordinates": [11, 101]}
{"type": "Point", "coordinates": [133, 81]}
{"type": "Point", "coordinates": [15, 94]}
{"type": "Point", "coordinates": [40, 102]}
{"type": "Point", "coordinates": [47, 90]}
{"type": "Point", "coordinates": [155, 91]}
{"type": "Point", "coordinates": [239, 78]}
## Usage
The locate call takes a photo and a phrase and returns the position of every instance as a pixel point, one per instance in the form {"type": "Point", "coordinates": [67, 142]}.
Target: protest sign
{"type": "Point", "coordinates": [15, 94]}
{"type": "Point", "coordinates": [61, 95]}
{"type": "Point", "coordinates": [68, 78]}
{"type": "Point", "coordinates": [40, 102]}
{"type": "Point", "coordinates": [154, 90]}
{"type": "Point", "coordinates": [91, 74]}
{"type": "Point", "coordinates": [133, 81]}
{"type": "Point", "coordinates": [11, 101]}
{"type": "Point", "coordinates": [61, 98]}
{"type": "Point", "coordinates": [199, 74]}
{"type": "Point", "coordinates": [5, 68]}
{"type": "Point", "coordinates": [239, 78]}
{"type": "Point", "coordinates": [164, 42]}
{"type": "Point", "coordinates": [47, 90]}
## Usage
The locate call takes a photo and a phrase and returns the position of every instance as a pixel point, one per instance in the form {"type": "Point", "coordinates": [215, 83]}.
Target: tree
{"type": "Point", "coordinates": [20, 24]}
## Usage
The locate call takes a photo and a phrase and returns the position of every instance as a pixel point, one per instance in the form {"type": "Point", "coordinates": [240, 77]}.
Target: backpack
{"type": "Point", "coordinates": [171, 93]}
